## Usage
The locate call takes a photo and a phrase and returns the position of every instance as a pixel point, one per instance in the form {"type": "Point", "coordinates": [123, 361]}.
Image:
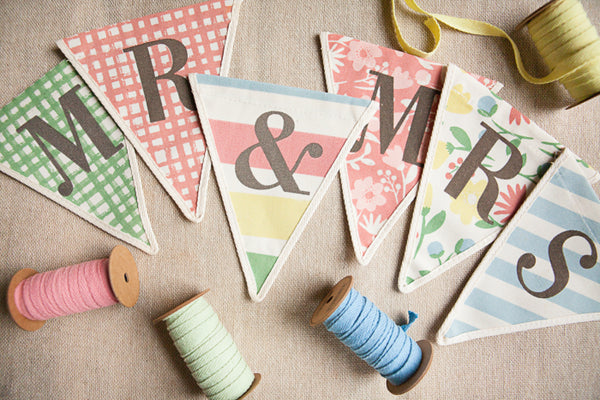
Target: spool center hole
{"type": "Point", "coordinates": [126, 277]}
{"type": "Point", "coordinates": [329, 299]}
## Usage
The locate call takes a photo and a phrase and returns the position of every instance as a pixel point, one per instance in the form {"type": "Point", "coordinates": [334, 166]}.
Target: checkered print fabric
{"type": "Point", "coordinates": [175, 144]}
{"type": "Point", "coordinates": [106, 193]}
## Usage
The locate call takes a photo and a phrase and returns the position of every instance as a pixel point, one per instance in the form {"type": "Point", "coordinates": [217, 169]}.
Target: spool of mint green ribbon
{"type": "Point", "coordinates": [209, 351]}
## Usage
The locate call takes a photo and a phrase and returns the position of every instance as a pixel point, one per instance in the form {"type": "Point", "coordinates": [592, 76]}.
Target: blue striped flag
{"type": "Point", "coordinates": [543, 269]}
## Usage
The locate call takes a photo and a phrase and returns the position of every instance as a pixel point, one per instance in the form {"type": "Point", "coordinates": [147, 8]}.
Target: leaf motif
{"type": "Point", "coordinates": [458, 246]}
{"type": "Point", "coordinates": [368, 161]}
{"type": "Point", "coordinates": [484, 113]}
{"type": "Point", "coordinates": [484, 225]}
{"type": "Point", "coordinates": [435, 223]}
{"type": "Point", "coordinates": [425, 211]}
{"type": "Point", "coordinates": [462, 137]}
{"type": "Point", "coordinates": [524, 158]}
{"type": "Point", "coordinates": [450, 147]}
{"type": "Point", "coordinates": [493, 110]}
{"type": "Point", "coordinates": [438, 255]}
{"type": "Point", "coordinates": [423, 272]}
{"type": "Point", "coordinates": [425, 63]}
{"type": "Point", "coordinates": [409, 280]}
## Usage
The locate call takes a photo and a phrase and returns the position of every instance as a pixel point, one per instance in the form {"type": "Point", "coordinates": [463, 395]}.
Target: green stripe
{"type": "Point", "coordinates": [262, 265]}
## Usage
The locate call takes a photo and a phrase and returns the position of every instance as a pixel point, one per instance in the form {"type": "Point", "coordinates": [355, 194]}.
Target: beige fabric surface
{"type": "Point", "coordinates": [117, 353]}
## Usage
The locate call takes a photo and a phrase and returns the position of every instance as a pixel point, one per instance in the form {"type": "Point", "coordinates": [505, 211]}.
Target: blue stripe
{"type": "Point", "coordinates": [564, 218]}
{"type": "Point", "coordinates": [532, 243]}
{"type": "Point", "coordinates": [216, 80]}
{"type": "Point", "coordinates": [567, 298]}
{"type": "Point", "coordinates": [574, 183]}
{"type": "Point", "coordinates": [458, 328]}
{"type": "Point", "coordinates": [500, 308]}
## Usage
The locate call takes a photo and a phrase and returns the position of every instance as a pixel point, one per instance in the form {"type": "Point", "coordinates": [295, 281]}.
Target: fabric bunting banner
{"type": "Point", "coordinates": [138, 69]}
{"type": "Point", "coordinates": [380, 175]}
{"type": "Point", "coordinates": [275, 152]}
{"type": "Point", "coordinates": [57, 139]}
{"type": "Point", "coordinates": [543, 268]}
{"type": "Point", "coordinates": [483, 158]}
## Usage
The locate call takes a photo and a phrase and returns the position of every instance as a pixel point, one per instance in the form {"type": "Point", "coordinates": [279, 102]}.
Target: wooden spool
{"type": "Point", "coordinates": [257, 376]}
{"type": "Point", "coordinates": [534, 15]}
{"type": "Point", "coordinates": [123, 277]}
{"type": "Point", "coordinates": [335, 298]}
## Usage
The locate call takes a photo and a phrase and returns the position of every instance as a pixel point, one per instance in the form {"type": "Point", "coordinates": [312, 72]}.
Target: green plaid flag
{"type": "Point", "coordinates": [57, 139]}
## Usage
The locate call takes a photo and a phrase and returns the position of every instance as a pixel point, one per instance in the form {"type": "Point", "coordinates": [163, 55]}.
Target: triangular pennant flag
{"type": "Point", "coordinates": [275, 151]}
{"type": "Point", "coordinates": [483, 157]}
{"type": "Point", "coordinates": [543, 268]}
{"type": "Point", "coordinates": [57, 139]}
{"type": "Point", "coordinates": [138, 69]}
{"type": "Point", "coordinates": [380, 175]}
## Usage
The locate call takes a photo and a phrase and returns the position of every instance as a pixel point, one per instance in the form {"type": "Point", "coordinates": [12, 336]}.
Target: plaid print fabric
{"type": "Point", "coordinates": [175, 145]}
{"type": "Point", "coordinates": [106, 193]}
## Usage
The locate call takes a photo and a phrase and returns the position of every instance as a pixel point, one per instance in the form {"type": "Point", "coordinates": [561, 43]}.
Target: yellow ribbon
{"type": "Point", "coordinates": [562, 33]}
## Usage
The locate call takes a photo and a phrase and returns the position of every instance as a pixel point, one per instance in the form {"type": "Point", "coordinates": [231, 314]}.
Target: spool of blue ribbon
{"type": "Point", "coordinates": [374, 337]}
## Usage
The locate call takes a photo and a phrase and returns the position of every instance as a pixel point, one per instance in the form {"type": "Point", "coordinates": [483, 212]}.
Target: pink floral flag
{"type": "Point", "coordinates": [384, 166]}
{"type": "Point", "coordinates": [138, 69]}
{"type": "Point", "coordinates": [484, 157]}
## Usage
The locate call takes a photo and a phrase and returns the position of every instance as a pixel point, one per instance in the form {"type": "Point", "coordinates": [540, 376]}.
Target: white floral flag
{"type": "Point", "coordinates": [484, 157]}
{"type": "Point", "coordinates": [543, 268]}
{"type": "Point", "coordinates": [381, 173]}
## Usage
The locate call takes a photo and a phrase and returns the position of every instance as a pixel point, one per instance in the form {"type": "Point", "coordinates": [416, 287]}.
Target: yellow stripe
{"type": "Point", "coordinates": [267, 216]}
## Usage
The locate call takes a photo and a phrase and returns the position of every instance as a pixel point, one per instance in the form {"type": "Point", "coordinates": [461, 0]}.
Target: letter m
{"type": "Point", "coordinates": [42, 132]}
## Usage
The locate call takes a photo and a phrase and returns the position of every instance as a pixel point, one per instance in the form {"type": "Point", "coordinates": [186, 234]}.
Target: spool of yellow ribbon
{"type": "Point", "coordinates": [561, 31]}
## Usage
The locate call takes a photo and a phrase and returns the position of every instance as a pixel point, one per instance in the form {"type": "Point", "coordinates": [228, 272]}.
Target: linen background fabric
{"type": "Point", "coordinates": [116, 352]}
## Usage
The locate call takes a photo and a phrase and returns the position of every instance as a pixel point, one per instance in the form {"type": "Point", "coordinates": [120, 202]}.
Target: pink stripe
{"type": "Point", "coordinates": [233, 138]}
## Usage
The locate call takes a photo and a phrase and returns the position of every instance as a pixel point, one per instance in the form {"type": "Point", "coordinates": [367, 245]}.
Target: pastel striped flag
{"type": "Point", "coordinates": [543, 269]}
{"type": "Point", "coordinates": [275, 151]}
{"type": "Point", "coordinates": [138, 69]}
{"type": "Point", "coordinates": [57, 139]}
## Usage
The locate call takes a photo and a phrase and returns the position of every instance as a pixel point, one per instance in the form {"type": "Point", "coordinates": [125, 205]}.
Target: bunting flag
{"type": "Point", "coordinates": [275, 151]}
{"type": "Point", "coordinates": [138, 69]}
{"type": "Point", "coordinates": [543, 268]}
{"type": "Point", "coordinates": [380, 175]}
{"type": "Point", "coordinates": [57, 139]}
{"type": "Point", "coordinates": [483, 158]}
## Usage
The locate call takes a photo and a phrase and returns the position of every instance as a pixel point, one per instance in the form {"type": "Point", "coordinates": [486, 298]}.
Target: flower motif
{"type": "Point", "coordinates": [487, 106]}
{"type": "Point", "coordinates": [435, 250]}
{"type": "Point", "coordinates": [458, 101]}
{"type": "Point", "coordinates": [516, 116]}
{"type": "Point", "coordinates": [441, 155]}
{"type": "Point", "coordinates": [393, 157]}
{"type": "Point", "coordinates": [372, 226]}
{"type": "Point", "coordinates": [363, 54]}
{"type": "Point", "coordinates": [423, 77]}
{"type": "Point", "coordinates": [513, 198]}
{"type": "Point", "coordinates": [465, 205]}
{"type": "Point", "coordinates": [402, 80]}
{"type": "Point", "coordinates": [368, 194]}
{"type": "Point", "coordinates": [428, 196]}
{"type": "Point", "coordinates": [465, 245]}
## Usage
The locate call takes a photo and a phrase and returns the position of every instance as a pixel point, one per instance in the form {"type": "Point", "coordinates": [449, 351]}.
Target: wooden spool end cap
{"type": "Point", "coordinates": [257, 378]}
{"type": "Point", "coordinates": [123, 276]}
{"type": "Point", "coordinates": [332, 300]}
{"type": "Point", "coordinates": [535, 14]}
{"type": "Point", "coordinates": [179, 307]}
{"type": "Point", "coordinates": [20, 320]}
{"type": "Point", "coordinates": [427, 350]}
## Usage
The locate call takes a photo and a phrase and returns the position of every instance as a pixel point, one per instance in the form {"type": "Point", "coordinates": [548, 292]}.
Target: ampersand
{"type": "Point", "coordinates": [268, 143]}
